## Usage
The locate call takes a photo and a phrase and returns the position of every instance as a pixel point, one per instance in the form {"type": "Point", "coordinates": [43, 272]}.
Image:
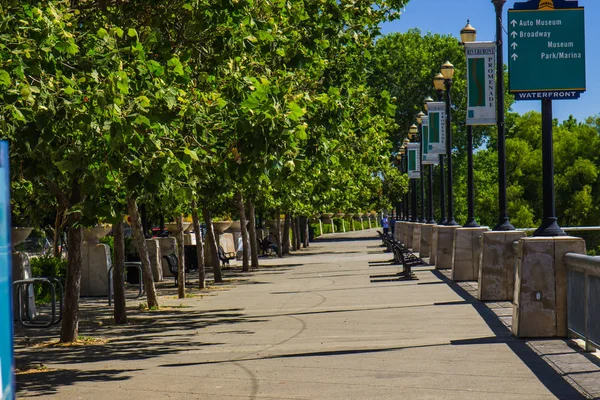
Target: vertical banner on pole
{"type": "Point", "coordinates": [414, 167]}
{"type": "Point", "coordinates": [7, 384]}
{"type": "Point", "coordinates": [481, 83]}
{"type": "Point", "coordinates": [437, 128]}
{"type": "Point", "coordinates": [428, 159]}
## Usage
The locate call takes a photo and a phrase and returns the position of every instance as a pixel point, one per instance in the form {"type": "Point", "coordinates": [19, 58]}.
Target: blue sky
{"type": "Point", "coordinates": [450, 16]}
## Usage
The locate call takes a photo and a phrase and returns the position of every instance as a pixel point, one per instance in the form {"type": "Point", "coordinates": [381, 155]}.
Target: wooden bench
{"type": "Point", "coordinates": [406, 258]}
{"type": "Point", "coordinates": [225, 257]}
{"type": "Point", "coordinates": [173, 263]}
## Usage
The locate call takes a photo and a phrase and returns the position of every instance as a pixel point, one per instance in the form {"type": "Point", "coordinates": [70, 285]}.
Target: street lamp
{"type": "Point", "coordinates": [430, 218]}
{"type": "Point", "coordinates": [412, 134]}
{"type": "Point", "coordinates": [503, 220]}
{"type": "Point", "coordinates": [468, 34]}
{"type": "Point", "coordinates": [406, 195]}
{"type": "Point", "coordinates": [438, 84]}
{"type": "Point", "coordinates": [420, 116]}
{"type": "Point", "coordinates": [448, 74]}
{"type": "Point", "coordinates": [399, 205]}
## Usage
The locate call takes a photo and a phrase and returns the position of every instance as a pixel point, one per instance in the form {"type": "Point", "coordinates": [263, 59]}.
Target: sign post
{"type": "Point", "coordinates": [547, 62]}
{"type": "Point", "coordinates": [7, 382]}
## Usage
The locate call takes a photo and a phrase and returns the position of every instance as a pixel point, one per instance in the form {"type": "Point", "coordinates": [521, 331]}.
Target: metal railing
{"type": "Point", "coordinates": [131, 264]}
{"type": "Point", "coordinates": [583, 298]}
{"type": "Point", "coordinates": [26, 316]}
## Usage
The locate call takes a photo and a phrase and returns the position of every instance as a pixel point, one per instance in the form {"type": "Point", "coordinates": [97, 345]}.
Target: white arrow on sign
{"type": "Point", "coordinates": [514, 34]}
{"type": "Point", "coordinates": [514, 45]}
{"type": "Point", "coordinates": [514, 57]}
{"type": "Point", "coordinates": [513, 22]}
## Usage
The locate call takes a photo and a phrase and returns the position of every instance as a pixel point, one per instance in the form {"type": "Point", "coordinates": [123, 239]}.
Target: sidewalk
{"type": "Point", "coordinates": [323, 324]}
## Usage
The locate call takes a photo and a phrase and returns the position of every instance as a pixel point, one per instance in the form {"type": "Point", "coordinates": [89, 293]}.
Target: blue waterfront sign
{"type": "Point", "coordinates": [7, 366]}
{"type": "Point", "coordinates": [546, 50]}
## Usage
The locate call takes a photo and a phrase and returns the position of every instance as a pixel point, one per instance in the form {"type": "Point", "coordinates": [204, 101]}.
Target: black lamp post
{"type": "Point", "coordinates": [503, 220]}
{"type": "Point", "coordinates": [420, 115]}
{"type": "Point", "coordinates": [438, 83]}
{"type": "Point", "coordinates": [413, 135]}
{"type": "Point", "coordinates": [399, 205]}
{"type": "Point", "coordinates": [448, 73]}
{"type": "Point", "coordinates": [430, 218]}
{"type": "Point", "coordinates": [406, 195]}
{"type": "Point", "coordinates": [469, 34]}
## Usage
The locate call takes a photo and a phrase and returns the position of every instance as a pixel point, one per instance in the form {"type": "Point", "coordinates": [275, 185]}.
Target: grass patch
{"type": "Point", "coordinates": [34, 369]}
{"type": "Point", "coordinates": [81, 341]}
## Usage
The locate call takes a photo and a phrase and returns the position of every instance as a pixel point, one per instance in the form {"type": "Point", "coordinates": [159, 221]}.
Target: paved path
{"type": "Point", "coordinates": [312, 326]}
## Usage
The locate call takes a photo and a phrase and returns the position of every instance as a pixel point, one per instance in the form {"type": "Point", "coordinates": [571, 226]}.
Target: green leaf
{"type": "Point", "coordinates": [142, 120]}
{"type": "Point", "coordinates": [296, 112]}
{"type": "Point", "coordinates": [65, 166]}
{"type": "Point", "coordinates": [176, 65]}
{"type": "Point", "coordinates": [4, 78]}
{"type": "Point", "coordinates": [102, 33]}
{"type": "Point", "coordinates": [17, 114]}
{"type": "Point", "coordinates": [191, 153]}
{"type": "Point", "coordinates": [131, 32]}
{"type": "Point", "coordinates": [155, 68]}
{"type": "Point", "coordinates": [118, 31]}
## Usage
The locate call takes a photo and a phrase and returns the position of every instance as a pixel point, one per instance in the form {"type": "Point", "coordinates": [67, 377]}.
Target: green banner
{"type": "Point", "coordinates": [414, 167]}
{"type": "Point", "coordinates": [437, 128]}
{"type": "Point", "coordinates": [476, 71]}
{"type": "Point", "coordinates": [428, 159]}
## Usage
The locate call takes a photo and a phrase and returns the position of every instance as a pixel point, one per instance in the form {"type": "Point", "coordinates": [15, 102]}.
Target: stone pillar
{"type": "Point", "coordinates": [416, 241]}
{"type": "Point", "coordinates": [402, 232]}
{"type": "Point", "coordinates": [397, 228]}
{"type": "Point", "coordinates": [95, 262]}
{"type": "Point", "coordinates": [467, 253]}
{"type": "Point", "coordinates": [445, 247]}
{"type": "Point", "coordinates": [426, 238]}
{"type": "Point", "coordinates": [189, 239]}
{"type": "Point", "coordinates": [408, 235]}
{"type": "Point", "coordinates": [496, 268]}
{"type": "Point", "coordinates": [540, 303]}
{"type": "Point", "coordinates": [168, 245]}
{"type": "Point", "coordinates": [434, 241]}
{"type": "Point", "coordinates": [155, 259]}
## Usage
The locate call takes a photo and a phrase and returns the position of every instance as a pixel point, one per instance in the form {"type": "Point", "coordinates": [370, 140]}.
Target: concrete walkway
{"type": "Point", "coordinates": [325, 324]}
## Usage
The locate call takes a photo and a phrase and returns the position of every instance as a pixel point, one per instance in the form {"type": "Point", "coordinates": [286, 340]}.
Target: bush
{"type": "Point", "coordinates": [46, 266]}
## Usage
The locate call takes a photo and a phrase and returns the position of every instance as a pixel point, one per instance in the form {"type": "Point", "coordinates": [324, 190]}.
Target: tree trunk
{"type": "Point", "coordinates": [306, 232]}
{"type": "Point", "coordinates": [140, 244]}
{"type": "Point", "coordinates": [278, 238]}
{"type": "Point", "coordinates": [120, 310]}
{"type": "Point", "coordinates": [212, 241]}
{"type": "Point", "coordinates": [244, 228]}
{"type": "Point", "coordinates": [181, 256]}
{"type": "Point", "coordinates": [299, 230]}
{"type": "Point", "coordinates": [285, 246]}
{"type": "Point", "coordinates": [294, 234]}
{"type": "Point", "coordinates": [199, 247]}
{"type": "Point", "coordinates": [57, 231]}
{"type": "Point", "coordinates": [69, 331]}
{"type": "Point", "coordinates": [252, 228]}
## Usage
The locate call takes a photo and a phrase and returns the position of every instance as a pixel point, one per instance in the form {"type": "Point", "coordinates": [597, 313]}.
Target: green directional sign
{"type": "Point", "coordinates": [546, 53]}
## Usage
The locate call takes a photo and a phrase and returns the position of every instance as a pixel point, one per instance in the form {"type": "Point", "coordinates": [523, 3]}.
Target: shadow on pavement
{"type": "Point", "coordinates": [549, 377]}
{"type": "Point", "coordinates": [45, 383]}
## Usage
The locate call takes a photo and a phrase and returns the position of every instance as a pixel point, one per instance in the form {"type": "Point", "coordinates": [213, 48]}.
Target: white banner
{"type": "Point", "coordinates": [481, 83]}
{"type": "Point", "coordinates": [437, 128]}
{"type": "Point", "coordinates": [428, 159]}
{"type": "Point", "coordinates": [414, 155]}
